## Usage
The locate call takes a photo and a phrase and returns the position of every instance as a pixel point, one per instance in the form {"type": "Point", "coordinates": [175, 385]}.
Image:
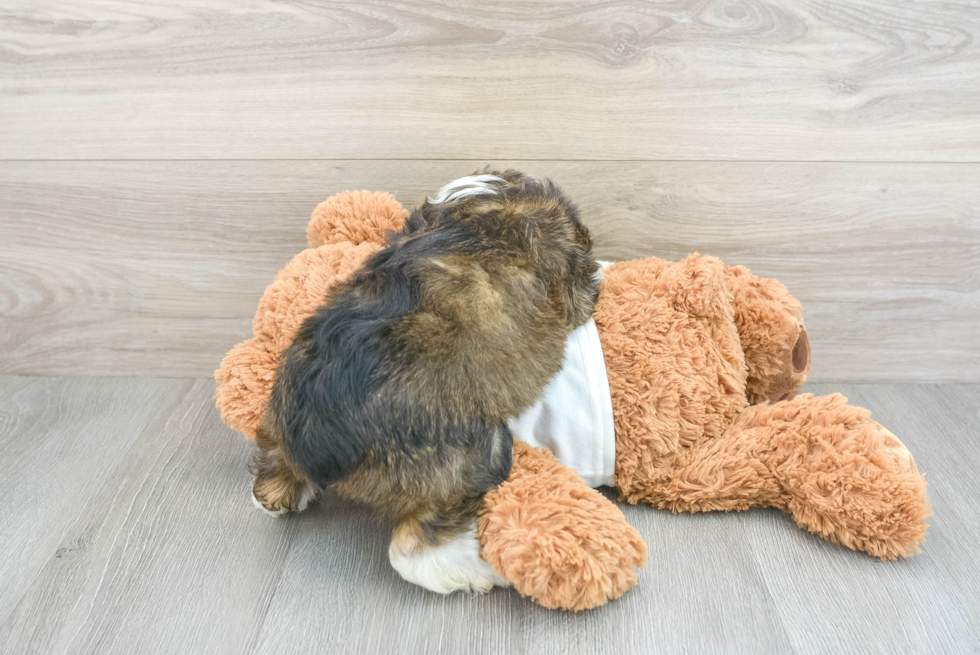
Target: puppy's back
{"type": "Point", "coordinates": [409, 373]}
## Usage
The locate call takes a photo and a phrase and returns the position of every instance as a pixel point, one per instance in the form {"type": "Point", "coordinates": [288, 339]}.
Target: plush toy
{"type": "Point", "coordinates": [703, 363]}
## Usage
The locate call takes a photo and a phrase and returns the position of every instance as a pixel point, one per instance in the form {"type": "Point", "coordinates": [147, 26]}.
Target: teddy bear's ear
{"type": "Point", "coordinates": [245, 380]}
{"type": "Point", "coordinates": [355, 217]}
{"type": "Point", "coordinates": [770, 326]}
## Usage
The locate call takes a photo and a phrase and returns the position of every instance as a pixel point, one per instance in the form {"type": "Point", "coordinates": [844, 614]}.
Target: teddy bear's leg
{"type": "Point", "coordinates": [844, 476]}
{"type": "Point", "coordinates": [840, 474]}
{"type": "Point", "coordinates": [278, 488]}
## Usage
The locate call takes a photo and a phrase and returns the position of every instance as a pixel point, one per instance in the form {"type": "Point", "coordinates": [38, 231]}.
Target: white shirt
{"type": "Point", "coordinates": [574, 417]}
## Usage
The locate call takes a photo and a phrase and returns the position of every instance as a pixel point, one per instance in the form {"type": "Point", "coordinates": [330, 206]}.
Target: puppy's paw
{"type": "Point", "coordinates": [282, 511]}
{"type": "Point", "coordinates": [280, 508]}
{"type": "Point", "coordinates": [452, 566]}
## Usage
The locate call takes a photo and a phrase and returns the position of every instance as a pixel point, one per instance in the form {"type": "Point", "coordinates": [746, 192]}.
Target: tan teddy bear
{"type": "Point", "coordinates": [703, 363]}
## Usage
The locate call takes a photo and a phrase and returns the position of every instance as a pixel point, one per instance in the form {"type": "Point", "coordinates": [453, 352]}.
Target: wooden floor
{"type": "Point", "coordinates": [128, 528]}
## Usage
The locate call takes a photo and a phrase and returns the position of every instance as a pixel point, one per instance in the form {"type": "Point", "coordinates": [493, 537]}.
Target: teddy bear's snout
{"type": "Point", "coordinates": [787, 385]}
{"type": "Point", "coordinates": [801, 352]}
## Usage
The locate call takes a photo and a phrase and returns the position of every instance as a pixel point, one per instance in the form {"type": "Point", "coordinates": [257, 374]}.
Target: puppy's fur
{"type": "Point", "coordinates": [398, 390]}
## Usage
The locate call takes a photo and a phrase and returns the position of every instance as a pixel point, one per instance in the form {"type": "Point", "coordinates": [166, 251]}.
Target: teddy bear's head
{"type": "Point", "coordinates": [770, 326]}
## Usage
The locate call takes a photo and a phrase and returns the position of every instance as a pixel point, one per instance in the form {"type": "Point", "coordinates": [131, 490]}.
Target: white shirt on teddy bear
{"type": "Point", "coordinates": [573, 418]}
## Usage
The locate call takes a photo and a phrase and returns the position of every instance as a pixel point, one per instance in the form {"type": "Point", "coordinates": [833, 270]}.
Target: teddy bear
{"type": "Point", "coordinates": [703, 363]}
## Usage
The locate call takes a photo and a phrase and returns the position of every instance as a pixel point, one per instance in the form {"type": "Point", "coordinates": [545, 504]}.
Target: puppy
{"type": "Point", "coordinates": [398, 390]}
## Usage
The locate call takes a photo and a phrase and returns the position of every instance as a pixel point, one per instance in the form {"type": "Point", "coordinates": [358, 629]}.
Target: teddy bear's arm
{"type": "Point", "coordinates": [559, 542]}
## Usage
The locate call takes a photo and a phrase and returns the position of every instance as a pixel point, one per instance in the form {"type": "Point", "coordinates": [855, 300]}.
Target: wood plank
{"type": "Point", "coordinates": [868, 80]}
{"type": "Point", "coordinates": [155, 268]}
{"type": "Point", "coordinates": [60, 438]}
{"type": "Point", "coordinates": [169, 556]}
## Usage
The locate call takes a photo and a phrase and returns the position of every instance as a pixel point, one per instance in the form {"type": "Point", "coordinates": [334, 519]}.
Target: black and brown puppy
{"type": "Point", "coordinates": [398, 390]}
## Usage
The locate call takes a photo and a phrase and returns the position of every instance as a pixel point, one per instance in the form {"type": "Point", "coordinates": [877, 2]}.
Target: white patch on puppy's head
{"type": "Point", "coordinates": [471, 185]}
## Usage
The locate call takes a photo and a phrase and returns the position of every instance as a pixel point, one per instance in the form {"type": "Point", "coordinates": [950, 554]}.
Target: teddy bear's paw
{"type": "Point", "coordinates": [898, 452]}
{"type": "Point", "coordinates": [453, 566]}
{"type": "Point", "coordinates": [279, 509]}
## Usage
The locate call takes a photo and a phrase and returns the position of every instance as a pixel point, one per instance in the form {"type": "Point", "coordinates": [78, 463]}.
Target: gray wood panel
{"type": "Point", "coordinates": [60, 439]}
{"type": "Point", "coordinates": [167, 555]}
{"type": "Point", "coordinates": [155, 268]}
{"type": "Point", "coordinates": [868, 80]}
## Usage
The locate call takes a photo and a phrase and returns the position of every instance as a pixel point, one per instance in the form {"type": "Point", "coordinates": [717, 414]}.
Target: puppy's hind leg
{"type": "Point", "coordinates": [279, 488]}
{"type": "Point", "coordinates": [443, 563]}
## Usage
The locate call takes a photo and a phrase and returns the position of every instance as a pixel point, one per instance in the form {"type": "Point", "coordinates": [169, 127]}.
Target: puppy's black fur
{"type": "Point", "coordinates": [397, 391]}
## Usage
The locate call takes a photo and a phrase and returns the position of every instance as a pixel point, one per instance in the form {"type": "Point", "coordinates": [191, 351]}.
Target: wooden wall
{"type": "Point", "coordinates": [158, 162]}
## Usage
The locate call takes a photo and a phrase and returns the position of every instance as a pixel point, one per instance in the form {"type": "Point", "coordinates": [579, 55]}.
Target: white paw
{"type": "Point", "coordinates": [453, 566]}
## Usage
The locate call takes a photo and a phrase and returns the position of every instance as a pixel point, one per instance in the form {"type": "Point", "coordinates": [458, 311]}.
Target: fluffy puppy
{"type": "Point", "coordinates": [397, 391]}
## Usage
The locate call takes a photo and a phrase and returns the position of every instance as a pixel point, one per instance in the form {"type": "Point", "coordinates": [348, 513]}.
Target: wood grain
{"type": "Point", "coordinates": [60, 439]}
{"type": "Point", "coordinates": [166, 554]}
{"type": "Point", "coordinates": [168, 557]}
{"type": "Point", "coordinates": [155, 268]}
{"type": "Point", "coordinates": [864, 80]}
